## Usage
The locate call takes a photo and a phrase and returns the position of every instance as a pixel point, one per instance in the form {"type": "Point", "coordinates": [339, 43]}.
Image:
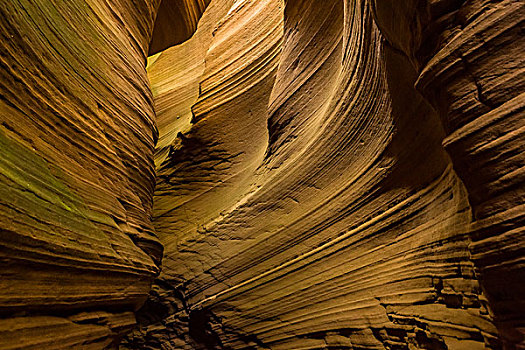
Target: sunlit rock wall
{"type": "Point", "coordinates": [305, 196]}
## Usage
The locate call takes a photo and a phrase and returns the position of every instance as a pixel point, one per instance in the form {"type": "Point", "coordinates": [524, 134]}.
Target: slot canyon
{"type": "Point", "coordinates": [262, 174]}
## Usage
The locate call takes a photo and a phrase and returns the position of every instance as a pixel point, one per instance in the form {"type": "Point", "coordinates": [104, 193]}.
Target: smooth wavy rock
{"type": "Point", "coordinates": [284, 174]}
{"type": "Point", "coordinates": [304, 196]}
{"type": "Point", "coordinates": [472, 69]}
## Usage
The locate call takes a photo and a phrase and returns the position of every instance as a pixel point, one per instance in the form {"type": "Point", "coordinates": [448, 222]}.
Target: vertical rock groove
{"type": "Point", "coordinates": [175, 22]}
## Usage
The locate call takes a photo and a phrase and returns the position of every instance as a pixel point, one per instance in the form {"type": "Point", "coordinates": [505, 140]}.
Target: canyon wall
{"type": "Point", "coordinates": [78, 250]}
{"type": "Point", "coordinates": [284, 174]}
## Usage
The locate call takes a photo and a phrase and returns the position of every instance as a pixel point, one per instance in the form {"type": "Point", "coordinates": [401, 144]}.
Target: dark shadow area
{"type": "Point", "coordinates": [175, 23]}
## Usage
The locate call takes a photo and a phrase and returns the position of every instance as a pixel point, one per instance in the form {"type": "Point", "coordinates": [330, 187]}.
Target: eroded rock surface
{"type": "Point", "coordinates": [336, 219]}
{"type": "Point", "coordinates": [78, 250]}
{"type": "Point", "coordinates": [335, 174]}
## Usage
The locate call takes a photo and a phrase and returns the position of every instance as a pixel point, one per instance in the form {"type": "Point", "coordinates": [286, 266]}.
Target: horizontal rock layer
{"type": "Point", "coordinates": [472, 71]}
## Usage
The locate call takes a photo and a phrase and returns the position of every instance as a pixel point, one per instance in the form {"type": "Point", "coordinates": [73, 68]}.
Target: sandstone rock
{"type": "Point", "coordinates": [335, 174]}
{"type": "Point", "coordinates": [353, 231]}
{"type": "Point", "coordinates": [77, 175]}
{"type": "Point", "coordinates": [175, 22]}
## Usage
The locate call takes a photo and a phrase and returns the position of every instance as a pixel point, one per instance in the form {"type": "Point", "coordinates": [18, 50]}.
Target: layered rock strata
{"type": "Point", "coordinates": [330, 174]}
{"type": "Point", "coordinates": [78, 250]}
{"type": "Point", "coordinates": [347, 226]}
{"type": "Point", "coordinates": [470, 59]}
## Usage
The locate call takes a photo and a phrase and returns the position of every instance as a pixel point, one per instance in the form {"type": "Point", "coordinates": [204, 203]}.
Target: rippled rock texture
{"type": "Point", "coordinates": [77, 245]}
{"type": "Point", "coordinates": [303, 174]}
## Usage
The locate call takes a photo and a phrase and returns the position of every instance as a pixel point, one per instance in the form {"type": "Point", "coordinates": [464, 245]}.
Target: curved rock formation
{"type": "Point", "coordinates": [470, 59]}
{"type": "Point", "coordinates": [353, 229]}
{"type": "Point", "coordinates": [176, 21]}
{"type": "Point", "coordinates": [78, 250]}
{"type": "Point", "coordinates": [330, 174]}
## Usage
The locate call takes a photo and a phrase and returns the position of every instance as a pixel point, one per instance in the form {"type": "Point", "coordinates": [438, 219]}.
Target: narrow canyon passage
{"type": "Point", "coordinates": [262, 174]}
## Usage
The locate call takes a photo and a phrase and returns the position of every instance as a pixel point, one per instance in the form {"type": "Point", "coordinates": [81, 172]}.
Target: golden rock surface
{"type": "Point", "coordinates": [277, 174]}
